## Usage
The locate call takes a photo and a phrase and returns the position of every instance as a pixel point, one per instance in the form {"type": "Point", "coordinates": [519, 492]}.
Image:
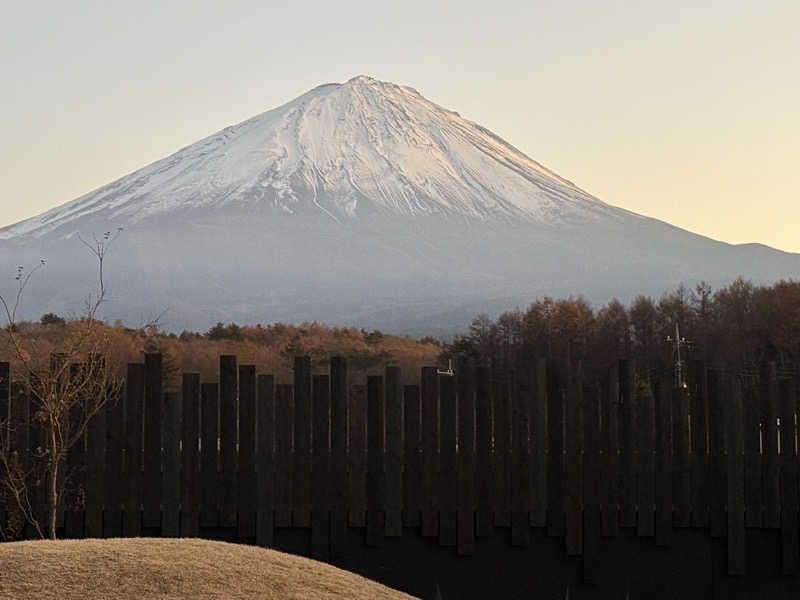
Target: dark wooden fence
{"type": "Point", "coordinates": [454, 457]}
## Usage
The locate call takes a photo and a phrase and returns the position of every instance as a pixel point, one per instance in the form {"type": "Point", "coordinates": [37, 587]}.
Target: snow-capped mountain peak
{"type": "Point", "coordinates": [345, 150]}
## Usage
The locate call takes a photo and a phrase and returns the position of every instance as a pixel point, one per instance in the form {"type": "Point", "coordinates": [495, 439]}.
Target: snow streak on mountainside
{"type": "Point", "coordinates": [347, 150]}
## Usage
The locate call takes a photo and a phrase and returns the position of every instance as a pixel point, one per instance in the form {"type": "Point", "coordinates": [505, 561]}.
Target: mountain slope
{"type": "Point", "coordinates": [361, 203]}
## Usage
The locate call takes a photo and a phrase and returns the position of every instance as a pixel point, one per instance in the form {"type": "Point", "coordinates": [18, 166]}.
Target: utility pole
{"type": "Point", "coordinates": [678, 343]}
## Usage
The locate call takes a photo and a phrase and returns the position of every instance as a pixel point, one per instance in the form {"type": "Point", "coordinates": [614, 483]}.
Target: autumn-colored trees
{"type": "Point", "coordinates": [741, 324]}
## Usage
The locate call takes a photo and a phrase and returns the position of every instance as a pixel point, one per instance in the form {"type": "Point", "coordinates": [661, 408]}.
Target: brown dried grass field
{"type": "Point", "coordinates": [155, 568]}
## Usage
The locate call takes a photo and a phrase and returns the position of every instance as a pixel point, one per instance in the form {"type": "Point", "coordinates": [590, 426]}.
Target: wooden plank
{"type": "Point", "coordinates": [5, 418]}
{"type": "Point", "coordinates": [376, 481]}
{"type": "Point", "coordinates": [610, 458]}
{"type": "Point", "coordinates": [265, 461]}
{"type": "Point", "coordinates": [134, 415]}
{"type": "Point", "coordinates": [394, 453]}
{"type": "Point", "coordinates": [522, 390]}
{"type": "Point", "coordinates": [228, 490]}
{"type": "Point", "coordinates": [209, 455]}
{"type": "Point", "coordinates": [412, 484]}
{"type": "Point", "coordinates": [115, 442]}
{"type": "Point", "coordinates": [698, 388]}
{"type": "Point", "coordinates": [190, 455]}
{"type": "Point", "coordinates": [430, 451]}
{"type": "Point", "coordinates": [448, 480]}
{"type": "Point", "coordinates": [790, 557]}
{"type": "Point", "coordinates": [645, 403]}
{"type": "Point", "coordinates": [573, 472]}
{"type": "Point", "coordinates": [170, 476]}
{"type": "Point", "coordinates": [338, 476]}
{"type": "Point", "coordinates": [628, 455]}
{"type": "Point", "coordinates": [717, 463]}
{"type": "Point", "coordinates": [663, 459]}
{"type": "Point", "coordinates": [483, 452]}
{"type": "Point", "coordinates": [246, 473]}
{"type": "Point", "coordinates": [538, 446]}
{"type": "Point", "coordinates": [21, 436]}
{"type": "Point", "coordinates": [501, 408]}
{"type": "Point", "coordinates": [593, 397]}
{"type": "Point", "coordinates": [284, 426]}
{"type": "Point", "coordinates": [555, 455]}
{"type": "Point", "coordinates": [320, 468]}
{"type": "Point", "coordinates": [357, 457]}
{"type": "Point", "coordinates": [466, 459]}
{"type": "Point", "coordinates": [301, 483]}
{"type": "Point", "coordinates": [737, 556]}
{"type": "Point", "coordinates": [153, 400]}
{"type": "Point", "coordinates": [681, 486]}
{"type": "Point", "coordinates": [771, 464]}
{"type": "Point", "coordinates": [95, 470]}
{"type": "Point", "coordinates": [754, 502]}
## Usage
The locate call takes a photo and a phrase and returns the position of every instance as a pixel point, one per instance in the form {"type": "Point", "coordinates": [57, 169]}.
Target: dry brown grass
{"type": "Point", "coordinates": [152, 568]}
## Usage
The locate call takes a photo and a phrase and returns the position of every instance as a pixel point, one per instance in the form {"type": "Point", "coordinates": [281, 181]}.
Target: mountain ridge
{"type": "Point", "coordinates": [360, 203]}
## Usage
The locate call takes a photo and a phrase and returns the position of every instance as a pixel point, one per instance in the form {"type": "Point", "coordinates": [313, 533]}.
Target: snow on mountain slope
{"type": "Point", "coordinates": [347, 150]}
{"type": "Point", "coordinates": [358, 203]}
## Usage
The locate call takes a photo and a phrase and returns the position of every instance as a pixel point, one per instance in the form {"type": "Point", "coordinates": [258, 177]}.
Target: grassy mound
{"type": "Point", "coordinates": [155, 568]}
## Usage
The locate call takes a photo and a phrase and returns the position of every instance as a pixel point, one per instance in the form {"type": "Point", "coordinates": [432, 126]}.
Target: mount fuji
{"type": "Point", "coordinates": [357, 203]}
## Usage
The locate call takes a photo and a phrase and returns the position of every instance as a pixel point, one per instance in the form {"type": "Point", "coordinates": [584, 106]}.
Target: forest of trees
{"type": "Point", "coordinates": [739, 326]}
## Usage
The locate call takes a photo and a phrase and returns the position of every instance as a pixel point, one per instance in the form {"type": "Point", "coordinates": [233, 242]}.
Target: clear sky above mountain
{"type": "Point", "coordinates": [684, 111]}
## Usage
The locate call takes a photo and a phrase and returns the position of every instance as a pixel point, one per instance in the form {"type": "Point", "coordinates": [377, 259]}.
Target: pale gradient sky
{"type": "Point", "coordinates": [688, 111]}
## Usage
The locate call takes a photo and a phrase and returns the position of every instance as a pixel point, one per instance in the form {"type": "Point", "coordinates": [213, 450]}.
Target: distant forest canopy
{"type": "Point", "coordinates": [740, 326]}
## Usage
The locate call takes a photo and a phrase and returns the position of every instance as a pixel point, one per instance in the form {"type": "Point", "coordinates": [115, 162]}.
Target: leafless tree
{"type": "Point", "coordinates": [66, 391]}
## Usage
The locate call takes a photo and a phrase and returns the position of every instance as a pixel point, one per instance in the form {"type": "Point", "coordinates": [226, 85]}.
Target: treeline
{"type": "Point", "coordinates": [271, 348]}
{"type": "Point", "coordinates": [740, 325]}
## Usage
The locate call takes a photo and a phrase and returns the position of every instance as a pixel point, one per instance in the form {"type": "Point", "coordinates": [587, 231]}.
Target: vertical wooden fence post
{"type": "Point", "coordinates": [698, 388]}
{"type": "Point", "coordinates": [789, 493]}
{"type": "Point", "coordinates": [394, 453]}
{"type": "Point", "coordinates": [555, 455]}
{"type": "Point", "coordinates": [646, 476]}
{"type": "Point", "coordinates": [95, 471]}
{"type": "Point", "coordinates": [573, 472]}
{"type": "Point", "coordinates": [430, 451]}
{"type": "Point", "coordinates": [412, 469]}
{"type": "Point", "coordinates": [591, 481]}
{"type": "Point", "coordinates": [521, 390]}
{"type": "Point", "coordinates": [357, 429]}
{"type": "Point", "coordinates": [737, 557]}
{"type": "Point", "coordinates": [115, 441]}
{"type": "Point", "coordinates": [376, 482]}
{"type": "Point", "coordinates": [170, 482]}
{"type": "Point", "coordinates": [338, 472]}
{"type": "Point", "coordinates": [229, 394]}
{"type": "Point", "coordinates": [320, 461]}
{"type": "Point", "coordinates": [246, 474]}
{"type": "Point", "coordinates": [153, 403]}
{"type": "Point", "coordinates": [663, 460]}
{"type": "Point", "coordinates": [265, 461]}
{"type": "Point", "coordinates": [209, 455]}
{"type": "Point", "coordinates": [448, 482]}
{"type": "Point", "coordinates": [301, 484]}
{"type": "Point", "coordinates": [284, 425]}
{"type": "Point", "coordinates": [466, 459]}
{"type": "Point", "coordinates": [134, 404]}
{"type": "Point", "coordinates": [717, 465]}
{"type": "Point", "coordinates": [771, 471]}
{"type": "Point", "coordinates": [682, 470]}
{"type": "Point", "coordinates": [610, 449]}
{"type": "Point", "coordinates": [628, 454]}
{"type": "Point", "coordinates": [538, 445]}
{"type": "Point", "coordinates": [483, 452]}
{"type": "Point", "coordinates": [190, 455]}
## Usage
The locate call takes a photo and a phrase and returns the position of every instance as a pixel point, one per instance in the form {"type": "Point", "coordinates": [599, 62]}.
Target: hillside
{"type": "Point", "coordinates": [150, 569]}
